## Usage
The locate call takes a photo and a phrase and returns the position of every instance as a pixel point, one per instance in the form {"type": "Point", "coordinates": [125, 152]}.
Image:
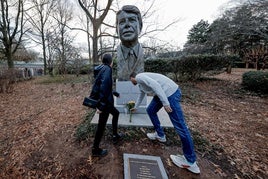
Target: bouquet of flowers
{"type": "Point", "coordinates": [129, 106]}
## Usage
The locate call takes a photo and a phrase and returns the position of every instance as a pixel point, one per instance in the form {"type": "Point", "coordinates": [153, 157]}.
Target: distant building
{"type": "Point", "coordinates": [31, 68]}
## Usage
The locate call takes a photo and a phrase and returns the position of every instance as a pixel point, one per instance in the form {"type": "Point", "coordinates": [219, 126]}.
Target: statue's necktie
{"type": "Point", "coordinates": [131, 60]}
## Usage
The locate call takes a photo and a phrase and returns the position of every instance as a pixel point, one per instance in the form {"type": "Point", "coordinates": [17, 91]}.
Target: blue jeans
{"type": "Point", "coordinates": [177, 119]}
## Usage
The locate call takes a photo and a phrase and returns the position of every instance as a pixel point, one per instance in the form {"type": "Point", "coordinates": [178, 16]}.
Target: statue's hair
{"type": "Point", "coordinates": [129, 9]}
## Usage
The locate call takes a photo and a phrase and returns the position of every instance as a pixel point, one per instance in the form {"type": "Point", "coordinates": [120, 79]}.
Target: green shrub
{"type": "Point", "coordinates": [85, 129]}
{"type": "Point", "coordinates": [256, 81]}
{"type": "Point", "coordinates": [192, 67]}
{"type": "Point", "coordinates": [189, 67]}
{"type": "Point", "coordinates": [161, 65]}
{"type": "Point", "coordinates": [63, 79]}
{"type": "Point", "coordinates": [86, 69]}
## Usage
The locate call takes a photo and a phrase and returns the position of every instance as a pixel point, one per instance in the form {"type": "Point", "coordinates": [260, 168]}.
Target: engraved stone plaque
{"type": "Point", "coordinates": [143, 167]}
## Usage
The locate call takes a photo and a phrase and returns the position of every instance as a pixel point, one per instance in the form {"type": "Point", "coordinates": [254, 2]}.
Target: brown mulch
{"type": "Point", "coordinates": [39, 121]}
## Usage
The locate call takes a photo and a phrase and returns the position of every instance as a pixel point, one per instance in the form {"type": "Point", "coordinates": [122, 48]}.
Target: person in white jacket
{"type": "Point", "coordinates": [166, 93]}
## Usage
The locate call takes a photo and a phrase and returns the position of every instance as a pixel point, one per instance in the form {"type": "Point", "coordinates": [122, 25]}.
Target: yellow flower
{"type": "Point", "coordinates": [130, 105]}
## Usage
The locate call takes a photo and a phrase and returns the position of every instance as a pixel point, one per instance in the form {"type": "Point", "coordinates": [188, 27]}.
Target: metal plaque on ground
{"type": "Point", "coordinates": [143, 167]}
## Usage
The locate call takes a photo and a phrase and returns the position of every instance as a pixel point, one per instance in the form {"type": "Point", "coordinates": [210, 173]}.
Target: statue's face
{"type": "Point", "coordinates": [128, 27]}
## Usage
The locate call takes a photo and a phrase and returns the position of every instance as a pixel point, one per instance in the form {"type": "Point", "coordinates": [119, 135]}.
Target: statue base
{"type": "Point", "coordinates": [128, 92]}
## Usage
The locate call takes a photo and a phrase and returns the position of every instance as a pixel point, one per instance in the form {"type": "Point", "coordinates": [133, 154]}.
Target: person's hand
{"type": "Point", "coordinates": [116, 94]}
{"type": "Point", "coordinates": [99, 111]}
{"type": "Point", "coordinates": [133, 109]}
{"type": "Point", "coordinates": [168, 109]}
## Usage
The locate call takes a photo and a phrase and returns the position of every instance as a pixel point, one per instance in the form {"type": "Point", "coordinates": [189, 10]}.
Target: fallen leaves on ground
{"type": "Point", "coordinates": [38, 122]}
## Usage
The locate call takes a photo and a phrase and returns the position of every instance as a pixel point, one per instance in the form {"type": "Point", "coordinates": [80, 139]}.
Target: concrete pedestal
{"type": "Point", "coordinates": [141, 119]}
{"type": "Point", "coordinates": [128, 92]}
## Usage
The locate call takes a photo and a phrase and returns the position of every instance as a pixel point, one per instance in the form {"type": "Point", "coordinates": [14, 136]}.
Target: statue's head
{"type": "Point", "coordinates": [128, 24]}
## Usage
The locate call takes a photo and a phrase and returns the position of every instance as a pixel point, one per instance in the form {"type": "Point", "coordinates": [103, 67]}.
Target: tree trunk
{"type": "Point", "coordinates": [229, 69]}
{"type": "Point", "coordinates": [44, 54]}
{"type": "Point", "coordinates": [9, 57]}
{"type": "Point", "coordinates": [95, 45]}
{"type": "Point", "coordinates": [10, 62]}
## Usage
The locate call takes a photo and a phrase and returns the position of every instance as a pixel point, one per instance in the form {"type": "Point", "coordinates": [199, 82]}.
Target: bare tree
{"type": "Point", "coordinates": [257, 56]}
{"type": "Point", "coordinates": [52, 49]}
{"type": "Point", "coordinates": [96, 17]}
{"type": "Point", "coordinates": [11, 28]}
{"type": "Point", "coordinates": [39, 18]}
{"type": "Point", "coordinates": [86, 28]}
{"type": "Point", "coordinates": [63, 15]}
{"type": "Point", "coordinates": [100, 28]}
{"type": "Point", "coordinates": [22, 54]}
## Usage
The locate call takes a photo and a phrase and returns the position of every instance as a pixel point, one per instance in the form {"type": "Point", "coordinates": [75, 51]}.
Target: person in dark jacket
{"type": "Point", "coordinates": [104, 83]}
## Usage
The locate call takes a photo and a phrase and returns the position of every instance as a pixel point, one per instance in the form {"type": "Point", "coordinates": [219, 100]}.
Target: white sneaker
{"type": "Point", "coordinates": [154, 136]}
{"type": "Point", "coordinates": [181, 162]}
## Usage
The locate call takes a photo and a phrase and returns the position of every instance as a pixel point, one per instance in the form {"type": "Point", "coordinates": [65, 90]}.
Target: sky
{"type": "Point", "coordinates": [190, 12]}
{"type": "Point", "coordinates": [187, 12]}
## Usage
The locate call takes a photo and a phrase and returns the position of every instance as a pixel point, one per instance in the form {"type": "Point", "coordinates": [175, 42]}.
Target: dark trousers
{"type": "Point", "coordinates": [103, 117]}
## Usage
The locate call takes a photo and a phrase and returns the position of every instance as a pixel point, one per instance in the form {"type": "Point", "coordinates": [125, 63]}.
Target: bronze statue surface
{"type": "Point", "coordinates": [129, 51]}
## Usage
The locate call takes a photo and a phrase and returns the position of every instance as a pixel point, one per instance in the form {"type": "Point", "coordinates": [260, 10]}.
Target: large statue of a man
{"type": "Point", "coordinates": [129, 51]}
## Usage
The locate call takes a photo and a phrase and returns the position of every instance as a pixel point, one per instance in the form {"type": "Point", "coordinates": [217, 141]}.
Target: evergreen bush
{"type": "Point", "coordinates": [189, 67]}
{"type": "Point", "coordinates": [256, 81]}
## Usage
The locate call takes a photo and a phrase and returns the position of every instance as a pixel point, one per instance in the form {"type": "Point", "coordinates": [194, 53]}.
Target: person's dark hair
{"type": "Point", "coordinates": [107, 59]}
{"type": "Point", "coordinates": [132, 75]}
{"type": "Point", "coordinates": [130, 9]}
